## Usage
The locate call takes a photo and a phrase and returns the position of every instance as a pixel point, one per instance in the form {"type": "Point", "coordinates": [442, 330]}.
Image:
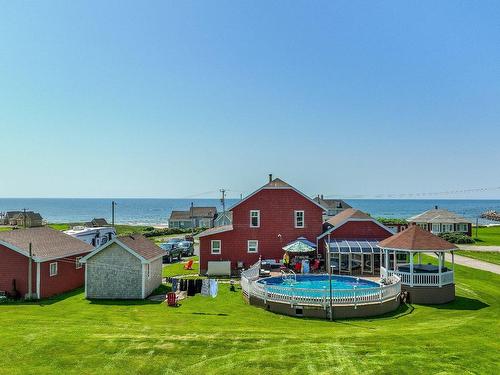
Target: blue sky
{"type": "Point", "coordinates": [174, 99]}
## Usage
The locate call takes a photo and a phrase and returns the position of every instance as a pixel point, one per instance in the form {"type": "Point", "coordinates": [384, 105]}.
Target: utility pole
{"type": "Point", "coordinates": [192, 218]}
{"type": "Point", "coordinates": [30, 276]}
{"type": "Point", "coordinates": [24, 218]}
{"type": "Point", "coordinates": [223, 200]}
{"type": "Point", "coordinates": [477, 225]}
{"type": "Point", "coordinates": [113, 204]}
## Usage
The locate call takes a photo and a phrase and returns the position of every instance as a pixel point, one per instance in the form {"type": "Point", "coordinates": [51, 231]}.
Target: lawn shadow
{"type": "Point", "coordinates": [403, 310]}
{"type": "Point", "coordinates": [123, 302]}
{"type": "Point", "coordinates": [46, 301]}
{"type": "Point", "coordinates": [462, 303]}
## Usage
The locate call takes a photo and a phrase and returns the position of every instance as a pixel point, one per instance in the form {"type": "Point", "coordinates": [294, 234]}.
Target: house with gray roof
{"type": "Point", "coordinates": [127, 267]}
{"type": "Point", "coordinates": [28, 219]}
{"type": "Point", "coordinates": [195, 217]}
{"type": "Point", "coordinates": [439, 220]}
{"type": "Point", "coordinates": [332, 206]}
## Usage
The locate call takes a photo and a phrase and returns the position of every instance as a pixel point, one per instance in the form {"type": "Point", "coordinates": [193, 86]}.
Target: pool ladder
{"type": "Point", "coordinates": [290, 276]}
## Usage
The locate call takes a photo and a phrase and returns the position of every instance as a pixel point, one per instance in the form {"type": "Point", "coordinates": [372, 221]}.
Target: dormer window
{"type": "Point", "coordinates": [299, 219]}
{"type": "Point", "coordinates": [254, 218]}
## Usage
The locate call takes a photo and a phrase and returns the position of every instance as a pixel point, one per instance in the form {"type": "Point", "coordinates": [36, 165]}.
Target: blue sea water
{"type": "Point", "coordinates": [157, 211]}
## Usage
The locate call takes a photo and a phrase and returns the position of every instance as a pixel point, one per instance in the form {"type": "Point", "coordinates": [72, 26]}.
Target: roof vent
{"type": "Point", "coordinates": [270, 177]}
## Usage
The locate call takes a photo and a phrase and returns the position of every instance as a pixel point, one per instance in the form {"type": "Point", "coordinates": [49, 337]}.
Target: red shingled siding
{"type": "Point", "coordinates": [67, 278]}
{"type": "Point", "coordinates": [14, 266]}
{"type": "Point", "coordinates": [277, 208]}
{"type": "Point", "coordinates": [358, 230]}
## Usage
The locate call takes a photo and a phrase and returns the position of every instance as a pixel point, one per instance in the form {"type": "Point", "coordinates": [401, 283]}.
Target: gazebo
{"type": "Point", "coordinates": [425, 283]}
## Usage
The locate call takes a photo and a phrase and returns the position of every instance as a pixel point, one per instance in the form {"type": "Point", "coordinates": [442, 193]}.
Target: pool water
{"type": "Point", "coordinates": [317, 285]}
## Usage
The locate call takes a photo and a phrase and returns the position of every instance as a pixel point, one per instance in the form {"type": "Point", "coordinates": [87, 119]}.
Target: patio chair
{"type": "Point", "coordinates": [189, 265]}
{"type": "Point", "coordinates": [171, 299]}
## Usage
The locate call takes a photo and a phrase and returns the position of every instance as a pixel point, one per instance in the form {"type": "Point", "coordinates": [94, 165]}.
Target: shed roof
{"type": "Point", "coordinates": [46, 243]}
{"type": "Point", "coordinates": [416, 239]}
{"type": "Point", "coordinates": [142, 246]}
{"type": "Point", "coordinates": [215, 230]}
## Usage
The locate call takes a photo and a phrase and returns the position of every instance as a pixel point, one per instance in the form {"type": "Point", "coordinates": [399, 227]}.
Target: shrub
{"type": "Point", "coordinates": [391, 220]}
{"type": "Point", "coordinates": [456, 237]}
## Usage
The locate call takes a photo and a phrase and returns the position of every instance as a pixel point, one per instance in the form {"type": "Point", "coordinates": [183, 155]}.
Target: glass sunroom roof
{"type": "Point", "coordinates": [352, 246]}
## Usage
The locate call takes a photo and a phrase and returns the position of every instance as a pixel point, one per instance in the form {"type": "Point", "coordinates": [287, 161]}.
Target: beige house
{"type": "Point", "coordinates": [27, 219]}
{"type": "Point", "coordinates": [128, 267]}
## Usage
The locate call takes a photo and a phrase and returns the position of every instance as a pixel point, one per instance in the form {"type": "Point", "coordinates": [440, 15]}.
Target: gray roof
{"type": "Point", "coordinates": [437, 215]}
{"type": "Point", "coordinates": [332, 204]}
{"type": "Point", "coordinates": [29, 214]}
{"type": "Point", "coordinates": [45, 242]}
{"type": "Point", "coordinates": [193, 213]}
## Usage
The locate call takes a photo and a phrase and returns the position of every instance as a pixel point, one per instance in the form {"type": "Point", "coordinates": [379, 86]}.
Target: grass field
{"type": "Point", "coordinates": [487, 236]}
{"type": "Point", "coordinates": [177, 269]}
{"type": "Point", "coordinates": [487, 256]}
{"type": "Point", "coordinates": [224, 335]}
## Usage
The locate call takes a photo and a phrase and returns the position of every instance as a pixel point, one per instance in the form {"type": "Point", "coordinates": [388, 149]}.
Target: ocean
{"type": "Point", "coordinates": [156, 211]}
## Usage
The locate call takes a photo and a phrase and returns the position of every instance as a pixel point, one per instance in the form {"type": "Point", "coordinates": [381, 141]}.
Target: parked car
{"type": "Point", "coordinates": [189, 237]}
{"type": "Point", "coordinates": [171, 252]}
{"type": "Point", "coordinates": [187, 248]}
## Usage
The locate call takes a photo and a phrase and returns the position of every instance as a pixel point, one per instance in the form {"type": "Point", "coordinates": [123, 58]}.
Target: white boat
{"type": "Point", "coordinates": [95, 236]}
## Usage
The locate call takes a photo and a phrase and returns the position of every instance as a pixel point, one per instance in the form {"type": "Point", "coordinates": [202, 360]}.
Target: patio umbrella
{"type": "Point", "coordinates": [299, 246]}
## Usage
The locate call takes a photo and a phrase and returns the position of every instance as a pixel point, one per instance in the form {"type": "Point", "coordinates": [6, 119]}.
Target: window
{"type": "Point", "coordinates": [216, 247]}
{"type": "Point", "coordinates": [436, 228]}
{"type": "Point", "coordinates": [254, 218]}
{"type": "Point", "coordinates": [447, 227]}
{"type": "Point", "coordinates": [148, 271]}
{"type": "Point", "coordinates": [53, 269]}
{"type": "Point", "coordinates": [299, 219]}
{"type": "Point", "coordinates": [462, 228]}
{"type": "Point", "coordinates": [422, 225]}
{"type": "Point", "coordinates": [78, 264]}
{"type": "Point", "coordinates": [253, 246]}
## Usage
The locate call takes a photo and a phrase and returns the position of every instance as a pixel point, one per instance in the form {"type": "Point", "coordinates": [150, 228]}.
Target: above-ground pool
{"type": "Point", "coordinates": [311, 295]}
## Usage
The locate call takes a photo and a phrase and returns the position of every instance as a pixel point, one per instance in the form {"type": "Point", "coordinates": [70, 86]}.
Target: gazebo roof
{"type": "Point", "coordinates": [300, 245]}
{"type": "Point", "coordinates": [416, 239]}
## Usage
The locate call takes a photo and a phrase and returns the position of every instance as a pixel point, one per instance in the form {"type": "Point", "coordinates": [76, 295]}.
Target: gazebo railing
{"type": "Point", "coordinates": [420, 279]}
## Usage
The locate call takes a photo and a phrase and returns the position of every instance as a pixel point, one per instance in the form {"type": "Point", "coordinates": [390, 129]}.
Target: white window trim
{"type": "Point", "coordinates": [50, 269]}
{"type": "Point", "coordinates": [256, 246]}
{"type": "Point", "coordinates": [258, 219]}
{"type": "Point", "coordinates": [295, 218]}
{"type": "Point", "coordinates": [78, 264]}
{"type": "Point", "coordinates": [212, 247]}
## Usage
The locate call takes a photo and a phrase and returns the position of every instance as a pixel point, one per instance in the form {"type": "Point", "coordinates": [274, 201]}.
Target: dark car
{"type": "Point", "coordinates": [187, 248]}
{"type": "Point", "coordinates": [172, 251]}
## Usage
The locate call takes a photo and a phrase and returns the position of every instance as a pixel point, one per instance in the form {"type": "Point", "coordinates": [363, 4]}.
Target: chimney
{"type": "Point", "coordinates": [321, 196]}
{"type": "Point", "coordinates": [270, 177]}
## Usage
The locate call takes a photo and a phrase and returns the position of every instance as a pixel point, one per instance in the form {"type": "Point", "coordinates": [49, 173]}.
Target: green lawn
{"type": "Point", "coordinates": [487, 256]}
{"type": "Point", "coordinates": [224, 335]}
{"type": "Point", "coordinates": [487, 236]}
{"type": "Point", "coordinates": [177, 269]}
{"type": "Point", "coordinates": [3, 229]}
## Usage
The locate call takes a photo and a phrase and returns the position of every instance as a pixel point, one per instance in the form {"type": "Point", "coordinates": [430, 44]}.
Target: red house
{"type": "Point", "coordinates": [55, 266]}
{"type": "Point", "coordinates": [263, 222]}
{"type": "Point", "coordinates": [352, 238]}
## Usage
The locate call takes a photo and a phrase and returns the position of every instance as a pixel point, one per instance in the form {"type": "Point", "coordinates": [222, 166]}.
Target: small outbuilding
{"type": "Point", "coordinates": [127, 267]}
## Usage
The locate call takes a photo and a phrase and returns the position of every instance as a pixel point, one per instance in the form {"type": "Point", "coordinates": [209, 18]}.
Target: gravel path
{"type": "Point", "coordinates": [478, 248]}
{"type": "Point", "coordinates": [474, 263]}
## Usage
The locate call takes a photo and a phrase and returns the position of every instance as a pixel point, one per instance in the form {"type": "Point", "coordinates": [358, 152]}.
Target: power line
{"type": "Point", "coordinates": [414, 194]}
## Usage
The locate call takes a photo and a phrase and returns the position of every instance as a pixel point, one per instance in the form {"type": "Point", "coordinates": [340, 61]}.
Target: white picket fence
{"type": "Point", "coordinates": [317, 297]}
